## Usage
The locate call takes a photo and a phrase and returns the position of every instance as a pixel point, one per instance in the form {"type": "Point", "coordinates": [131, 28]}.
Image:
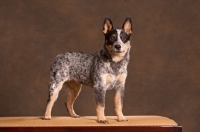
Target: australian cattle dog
{"type": "Point", "coordinates": [104, 70]}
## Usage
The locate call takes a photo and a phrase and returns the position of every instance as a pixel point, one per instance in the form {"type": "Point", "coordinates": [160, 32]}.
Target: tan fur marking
{"type": "Point", "coordinates": [127, 27]}
{"type": "Point", "coordinates": [110, 78]}
{"type": "Point", "coordinates": [119, 57]}
{"type": "Point", "coordinates": [114, 35]}
{"type": "Point", "coordinates": [107, 27]}
{"type": "Point", "coordinates": [118, 106]}
{"type": "Point", "coordinates": [50, 105]}
{"type": "Point", "coordinates": [109, 47]}
{"type": "Point", "coordinates": [100, 112]}
{"type": "Point", "coordinates": [53, 98]}
{"type": "Point", "coordinates": [73, 90]}
{"type": "Point", "coordinates": [122, 78]}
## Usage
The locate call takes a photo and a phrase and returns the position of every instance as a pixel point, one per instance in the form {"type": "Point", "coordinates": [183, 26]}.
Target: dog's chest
{"type": "Point", "coordinates": [110, 78]}
{"type": "Point", "coordinates": [111, 81]}
{"type": "Point", "coordinates": [115, 74]}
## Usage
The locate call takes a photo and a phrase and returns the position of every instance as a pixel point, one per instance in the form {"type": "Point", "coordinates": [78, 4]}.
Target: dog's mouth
{"type": "Point", "coordinates": [117, 51]}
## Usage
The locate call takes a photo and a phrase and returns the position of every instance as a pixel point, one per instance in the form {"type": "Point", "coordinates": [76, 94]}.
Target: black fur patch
{"type": "Point", "coordinates": [111, 37]}
{"type": "Point", "coordinates": [124, 36]}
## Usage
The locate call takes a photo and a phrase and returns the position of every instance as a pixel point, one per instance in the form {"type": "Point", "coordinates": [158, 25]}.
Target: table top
{"type": "Point", "coordinates": [61, 121]}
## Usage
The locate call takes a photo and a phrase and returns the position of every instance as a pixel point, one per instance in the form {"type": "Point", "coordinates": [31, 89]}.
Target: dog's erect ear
{"type": "Point", "coordinates": [107, 25]}
{"type": "Point", "coordinates": [127, 26]}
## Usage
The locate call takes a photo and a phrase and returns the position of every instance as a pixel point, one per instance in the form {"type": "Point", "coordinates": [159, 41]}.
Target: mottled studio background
{"type": "Point", "coordinates": [163, 73]}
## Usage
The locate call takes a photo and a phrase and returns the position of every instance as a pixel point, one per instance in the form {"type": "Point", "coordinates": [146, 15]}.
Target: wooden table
{"type": "Point", "coordinates": [89, 124]}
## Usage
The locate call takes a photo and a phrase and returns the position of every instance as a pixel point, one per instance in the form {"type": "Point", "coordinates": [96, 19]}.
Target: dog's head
{"type": "Point", "coordinates": [117, 41]}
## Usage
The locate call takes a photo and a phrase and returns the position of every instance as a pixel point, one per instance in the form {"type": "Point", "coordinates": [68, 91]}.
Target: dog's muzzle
{"type": "Point", "coordinates": [118, 47]}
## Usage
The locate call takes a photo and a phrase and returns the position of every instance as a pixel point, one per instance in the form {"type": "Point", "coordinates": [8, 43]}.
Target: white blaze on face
{"type": "Point", "coordinates": [119, 41]}
{"type": "Point", "coordinates": [124, 47]}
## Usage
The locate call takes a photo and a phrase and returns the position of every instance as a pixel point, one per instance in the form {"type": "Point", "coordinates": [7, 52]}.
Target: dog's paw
{"type": "Point", "coordinates": [46, 118]}
{"type": "Point", "coordinates": [123, 120]}
{"type": "Point", "coordinates": [103, 121]}
{"type": "Point", "coordinates": [76, 116]}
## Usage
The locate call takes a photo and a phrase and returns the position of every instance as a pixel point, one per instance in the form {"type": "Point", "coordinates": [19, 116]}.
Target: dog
{"type": "Point", "coordinates": [104, 70]}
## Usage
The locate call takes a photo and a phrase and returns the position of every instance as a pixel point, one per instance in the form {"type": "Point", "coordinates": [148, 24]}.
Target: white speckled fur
{"type": "Point", "coordinates": [104, 70]}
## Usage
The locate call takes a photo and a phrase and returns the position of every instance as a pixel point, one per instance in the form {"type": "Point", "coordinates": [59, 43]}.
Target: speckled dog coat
{"type": "Point", "coordinates": [106, 69]}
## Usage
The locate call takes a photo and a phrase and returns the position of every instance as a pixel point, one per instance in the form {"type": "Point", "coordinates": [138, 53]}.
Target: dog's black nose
{"type": "Point", "coordinates": [117, 47]}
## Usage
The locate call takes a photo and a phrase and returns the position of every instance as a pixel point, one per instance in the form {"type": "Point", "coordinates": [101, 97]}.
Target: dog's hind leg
{"type": "Point", "coordinates": [53, 95]}
{"type": "Point", "coordinates": [73, 90]}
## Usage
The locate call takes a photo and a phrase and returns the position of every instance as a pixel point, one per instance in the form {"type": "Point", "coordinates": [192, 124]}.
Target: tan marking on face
{"type": "Point", "coordinates": [100, 112]}
{"type": "Point", "coordinates": [119, 57]}
{"type": "Point", "coordinates": [122, 78]}
{"type": "Point", "coordinates": [109, 48]}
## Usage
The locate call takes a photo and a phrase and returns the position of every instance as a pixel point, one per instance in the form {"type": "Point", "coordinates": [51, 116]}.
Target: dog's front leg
{"type": "Point", "coordinates": [119, 94]}
{"type": "Point", "coordinates": [100, 104]}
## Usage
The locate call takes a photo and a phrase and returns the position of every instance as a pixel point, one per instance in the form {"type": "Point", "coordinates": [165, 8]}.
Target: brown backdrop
{"type": "Point", "coordinates": [163, 74]}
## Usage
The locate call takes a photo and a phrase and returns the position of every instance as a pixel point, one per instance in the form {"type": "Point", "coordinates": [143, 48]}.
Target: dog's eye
{"type": "Point", "coordinates": [124, 38]}
{"type": "Point", "coordinates": [112, 38]}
